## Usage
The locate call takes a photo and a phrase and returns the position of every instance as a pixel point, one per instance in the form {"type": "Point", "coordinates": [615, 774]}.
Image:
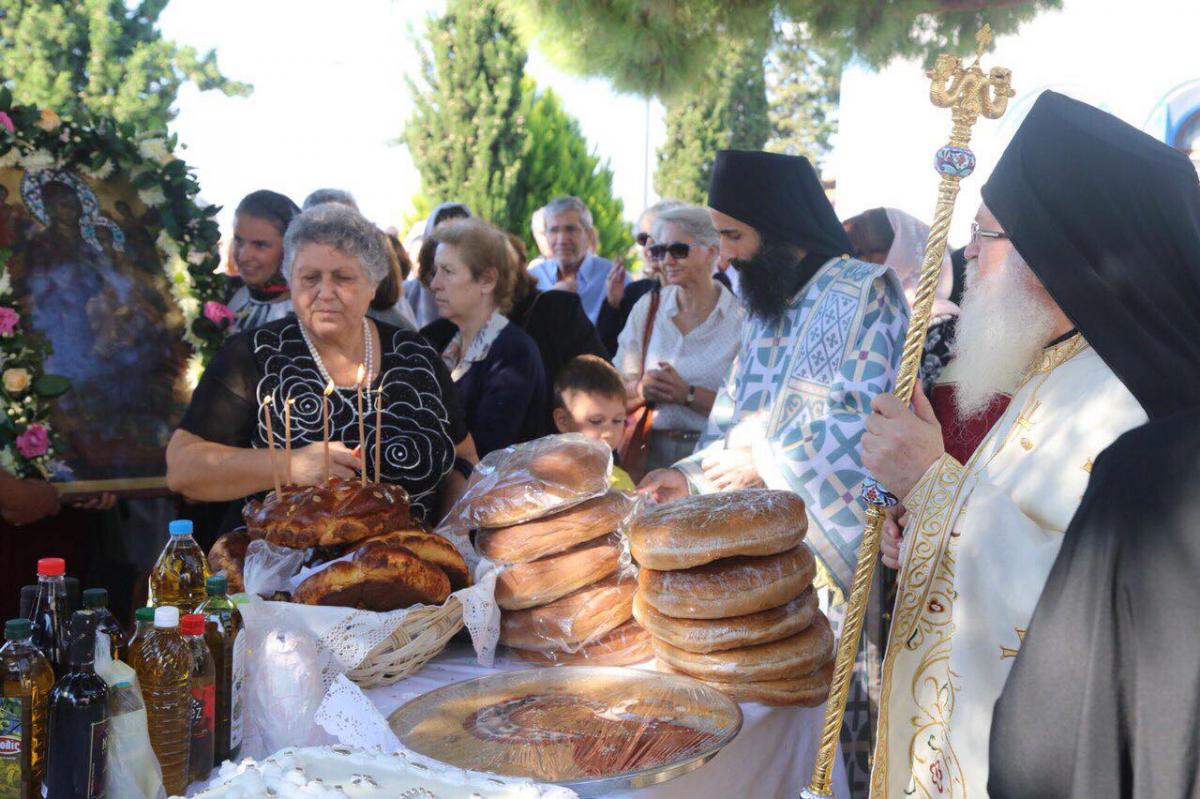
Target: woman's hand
{"type": "Point", "coordinates": [614, 284]}
{"type": "Point", "coordinates": [308, 463]}
{"type": "Point", "coordinates": [105, 501]}
{"type": "Point", "coordinates": [664, 385]}
{"type": "Point", "coordinates": [664, 485]}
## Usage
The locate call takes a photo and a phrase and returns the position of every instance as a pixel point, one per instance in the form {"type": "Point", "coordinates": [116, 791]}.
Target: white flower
{"type": "Point", "coordinates": [166, 244]}
{"type": "Point", "coordinates": [195, 258]}
{"type": "Point", "coordinates": [5, 284]}
{"type": "Point", "coordinates": [10, 158]}
{"type": "Point", "coordinates": [39, 159]}
{"type": "Point", "coordinates": [195, 368]}
{"type": "Point", "coordinates": [154, 150]}
{"type": "Point", "coordinates": [8, 461]}
{"type": "Point", "coordinates": [103, 172]}
{"type": "Point", "coordinates": [152, 196]}
{"type": "Point", "coordinates": [190, 307]}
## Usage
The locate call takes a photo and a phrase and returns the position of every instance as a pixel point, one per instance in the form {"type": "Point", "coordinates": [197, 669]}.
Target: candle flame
{"type": "Point", "coordinates": [329, 387]}
{"type": "Point", "coordinates": [362, 372]}
{"type": "Point", "coordinates": [267, 400]}
{"type": "Point", "coordinates": [290, 401]}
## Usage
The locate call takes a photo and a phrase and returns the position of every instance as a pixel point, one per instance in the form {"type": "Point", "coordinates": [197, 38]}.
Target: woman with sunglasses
{"type": "Point", "coordinates": [676, 348]}
{"type": "Point", "coordinates": [620, 297]}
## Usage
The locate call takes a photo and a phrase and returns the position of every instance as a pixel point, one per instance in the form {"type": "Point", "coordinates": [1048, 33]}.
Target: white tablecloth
{"type": "Point", "coordinates": [771, 758]}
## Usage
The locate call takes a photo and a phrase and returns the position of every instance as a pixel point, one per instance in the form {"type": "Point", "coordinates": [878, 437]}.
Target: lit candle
{"type": "Point", "coordinates": [325, 423]}
{"type": "Point", "coordinates": [378, 433]}
{"type": "Point", "coordinates": [362, 427]}
{"type": "Point", "coordinates": [287, 436]}
{"type": "Point", "coordinates": [266, 406]}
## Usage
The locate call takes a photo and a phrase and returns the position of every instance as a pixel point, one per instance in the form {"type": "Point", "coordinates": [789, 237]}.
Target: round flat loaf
{"type": "Point", "coordinates": [227, 555]}
{"type": "Point", "coordinates": [700, 529]}
{"type": "Point", "coordinates": [429, 547]}
{"type": "Point", "coordinates": [808, 691]}
{"type": "Point", "coordinates": [624, 646]}
{"type": "Point", "coordinates": [787, 659]}
{"type": "Point", "coordinates": [586, 521]}
{"type": "Point", "coordinates": [379, 577]}
{"type": "Point", "coordinates": [732, 587]}
{"type": "Point", "coordinates": [576, 619]}
{"type": "Point", "coordinates": [716, 635]}
{"type": "Point", "coordinates": [539, 582]}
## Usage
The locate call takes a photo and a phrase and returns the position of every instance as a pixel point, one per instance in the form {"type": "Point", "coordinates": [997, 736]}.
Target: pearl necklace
{"type": "Point", "coordinates": [368, 355]}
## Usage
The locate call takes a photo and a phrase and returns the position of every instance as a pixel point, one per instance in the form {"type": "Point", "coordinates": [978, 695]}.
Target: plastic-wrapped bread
{"type": "Point", "coordinates": [539, 582]}
{"type": "Point", "coordinates": [715, 635]}
{"type": "Point", "coordinates": [535, 539]}
{"type": "Point", "coordinates": [786, 659]}
{"type": "Point", "coordinates": [807, 691]}
{"type": "Point", "coordinates": [576, 619]}
{"type": "Point", "coordinates": [624, 646]}
{"type": "Point", "coordinates": [733, 587]}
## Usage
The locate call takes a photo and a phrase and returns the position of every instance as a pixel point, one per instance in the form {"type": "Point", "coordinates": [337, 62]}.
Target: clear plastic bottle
{"type": "Point", "coordinates": [50, 613]}
{"type": "Point", "coordinates": [203, 686]}
{"type": "Point", "coordinates": [143, 623]}
{"type": "Point", "coordinates": [227, 641]}
{"type": "Point", "coordinates": [97, 599]}
{"type": "Point", "coordinates": [180, 571]}
{"type": "Point", "coordinates": [163, 663]}
{"type": "Point", "coordinates": [26, 679]}
{"type": "Point", "coordinates": [77, 732]}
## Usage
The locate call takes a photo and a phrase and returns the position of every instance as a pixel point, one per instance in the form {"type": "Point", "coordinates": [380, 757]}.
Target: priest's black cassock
{"type": "Point", "coordinates": [1104, 698]}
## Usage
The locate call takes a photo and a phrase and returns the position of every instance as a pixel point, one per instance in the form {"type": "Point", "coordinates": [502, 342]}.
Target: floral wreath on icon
{"type": "Point", "coordinates": [49, 148]}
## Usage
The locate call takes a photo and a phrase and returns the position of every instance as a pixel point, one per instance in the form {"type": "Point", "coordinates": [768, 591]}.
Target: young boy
{"type": "Point", "coordinates": [589, 398]}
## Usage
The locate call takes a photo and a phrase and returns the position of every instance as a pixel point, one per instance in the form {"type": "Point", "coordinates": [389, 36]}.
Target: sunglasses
{"type": "Point", "coordinates": [642, 238]}
{"type": "Point", "coordinates": [676, 249]}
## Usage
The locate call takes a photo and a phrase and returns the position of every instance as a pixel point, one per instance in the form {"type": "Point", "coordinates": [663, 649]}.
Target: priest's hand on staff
{"type": "Point", "coordinates": [664, 485]}
{"type": "Point", "coordinates": [732, 469]}
{"type": "Point", "coordinates": [900, 444]}
{"type": "Point", "coordinates": [308, 463]}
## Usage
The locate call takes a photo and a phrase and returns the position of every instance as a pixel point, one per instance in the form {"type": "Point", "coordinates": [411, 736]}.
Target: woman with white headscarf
{"type": "Point", "coordinates": [895, 239]}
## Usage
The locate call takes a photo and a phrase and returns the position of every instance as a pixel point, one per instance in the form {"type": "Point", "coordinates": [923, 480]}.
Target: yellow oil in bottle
{"type": "Point", "coordinates": [163, 663]}
{"type": "Point", "coordinates": [180, 571]}
{"type": "Point", "coordinates": [26, 678]}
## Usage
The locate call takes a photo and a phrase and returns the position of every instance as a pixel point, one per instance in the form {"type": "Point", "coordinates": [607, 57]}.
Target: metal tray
{"type": "Point", "coordinates": [439, 724]}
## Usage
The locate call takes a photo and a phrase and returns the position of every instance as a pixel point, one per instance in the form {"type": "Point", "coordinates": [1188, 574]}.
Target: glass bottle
{"type": "Point", "coordinates": [143, 623]}
{"type": "Point", "coordinates": [50, 613]}
{"type": "Point", "coordinates": [163, 663]}
{"type": "Point", "coordinates": [97, 599]}
{"type": "Point", "coordinates": [77, 740]}
{"type": "Point", "coordinates": [180, 571]}
{"type": "Point", "coordinates": [26, 679]}
{"type": "Point", "coordinates": [203, 687]}
{"type": "Point", "coordinates": [226, 640]}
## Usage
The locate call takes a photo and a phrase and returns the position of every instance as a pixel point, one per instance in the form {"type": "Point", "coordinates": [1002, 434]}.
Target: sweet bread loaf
{"type": "Point", "coordinates": [700, 529]}
{"type": "Point", "coordinates": [378, 577]}
{"type": "Point", "coordinates": [624, 646]}
{"type": "Point", "coordinates": [807, 691]}
{"type": "Point", "coordinates": [577, 618]}
{"type": "Point", "coordinates": [731, 587]}
{"type": "Point", "coordinates": [429, 547]}
{"type": "Point", "coordinates": [227, 555]}
{"type": "Point", "coordinates": [529, 541]}
{"type": "Point", "coordinates": [786, 659]}
{"type": "Point", "coordinates": [715, 635]}
{"type": "Point", "coordinates": [335, 513]}
{"type": "Point", "coordinates": [539, 582]}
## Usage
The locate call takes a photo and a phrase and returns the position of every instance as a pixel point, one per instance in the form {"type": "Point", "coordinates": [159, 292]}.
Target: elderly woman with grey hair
{"type": "Point", "coordinates": [333, 261]}
{"type": "Point", "coordinates": [680, 340]}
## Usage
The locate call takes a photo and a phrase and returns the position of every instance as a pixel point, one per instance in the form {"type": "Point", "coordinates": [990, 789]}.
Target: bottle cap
{"type": "Point", "coordinates": [51, 567]}
{"type": "Point", "coordinates": [28, 597]}
{"type": "Point", "coordinates": [144, 614]}
{"type": "Point", "coordinates": [18, 629]}
{"type": "Point", "coordinates": [95, 598]}
{"type": "Point", "coordinates": [166, 617]}
{"type": "Point", "coordinates": [216, 585]}
{"type": "Point", "coordinates": [180, 527]}
{"type": "Point", "coordinates": [192, 624]}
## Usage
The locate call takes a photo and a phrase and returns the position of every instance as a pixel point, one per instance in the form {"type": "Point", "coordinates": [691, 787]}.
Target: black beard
{"type": "Point", "coordinates": [768, 280]}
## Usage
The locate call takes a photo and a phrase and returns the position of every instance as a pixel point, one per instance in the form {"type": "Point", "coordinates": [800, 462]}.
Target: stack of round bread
{"type": "Point", "coordinates": [726, 592]}
{"type": "Point", "coordinates": [392, 562]}
{"type": "Point", "coordinates": [564, 595]}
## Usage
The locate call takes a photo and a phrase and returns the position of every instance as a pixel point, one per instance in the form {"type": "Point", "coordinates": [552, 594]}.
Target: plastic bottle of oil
{"type": "Point", "coordinates": [97, 599]}
{"type": "Point", "coordinates": [143, 623]}
{"type": "Point", "coordinates": [180, 571]}
{"type": "Point", "coordinates": [51, 613]}
{"type": "Point", "coordinates": [203, 686]}
{"type": "Point", "coordinates": [78, 721]}
{"type": "Point", "coordinates": [163, 663]}
{"type": "Point", "coordinates": [227, 641]}
{"type": "Point", "coordinates": [25, 682]}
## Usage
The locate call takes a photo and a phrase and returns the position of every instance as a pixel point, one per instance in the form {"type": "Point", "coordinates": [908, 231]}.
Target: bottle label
{"type": "Point", "coordinates": [97, 758]}
{"type": "Point", "coordinates": [204, 711]}
{"type": "Point", "coordinates": [237, 690]}
{"type": "Point", "coordinates": [14, 725]}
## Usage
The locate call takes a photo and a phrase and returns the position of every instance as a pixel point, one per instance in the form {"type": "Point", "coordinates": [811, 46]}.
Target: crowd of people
{"type": "Point", "coordinates": [757, 348]}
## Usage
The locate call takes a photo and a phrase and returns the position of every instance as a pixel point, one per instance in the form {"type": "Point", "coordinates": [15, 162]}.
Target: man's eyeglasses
{"type": "Point", "coordinates": [676, 249]}
{"type": "Point", "coordinates": [978, 233]}
{"type": "Point", "coordinates": [642, 238]}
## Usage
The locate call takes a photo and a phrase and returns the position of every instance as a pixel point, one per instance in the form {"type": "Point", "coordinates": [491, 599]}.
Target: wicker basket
{"type": "Point", "coordinates": [423, 634]}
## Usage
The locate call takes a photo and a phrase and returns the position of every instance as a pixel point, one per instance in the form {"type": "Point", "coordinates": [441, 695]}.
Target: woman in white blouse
{"type": "Point", "coordinates": [693, 336]}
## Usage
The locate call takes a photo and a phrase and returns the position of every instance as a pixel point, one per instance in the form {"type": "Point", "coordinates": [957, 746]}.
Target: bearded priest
{"type": "Point", "coordinates": [823, 337]}
{"type": "Point", "coordinates": [1045, 319]}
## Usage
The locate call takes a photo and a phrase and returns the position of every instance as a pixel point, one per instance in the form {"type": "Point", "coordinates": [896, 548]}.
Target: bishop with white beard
{"type": "Point", "coordinates": [980, 537]}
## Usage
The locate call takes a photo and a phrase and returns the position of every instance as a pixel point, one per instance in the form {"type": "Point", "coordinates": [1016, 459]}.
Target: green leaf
{"type": "Point", "coordinates": [51, 386]}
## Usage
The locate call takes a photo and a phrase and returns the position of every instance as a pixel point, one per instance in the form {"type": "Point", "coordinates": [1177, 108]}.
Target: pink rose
{"type": "Point", "coordinates": [34, 441]}
{"type": "Point", "coordinates": [7, 122]}
{"type": "Point", "coordinates": [8, 321]}
{"type": "Point", "coordinates": [218, 314]}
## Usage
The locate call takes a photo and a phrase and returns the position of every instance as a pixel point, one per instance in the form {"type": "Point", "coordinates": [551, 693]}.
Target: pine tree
{"type": "Point", "coordinates": [555, 161]}
{"type": "Point", "coordinates": [101, 56]}
{"type": "Point", "coordinates": [466, 133]}
{"type": "Point", "coordinates": [803, 83]}
{"type": "Point", "coordinates": [727, 109]}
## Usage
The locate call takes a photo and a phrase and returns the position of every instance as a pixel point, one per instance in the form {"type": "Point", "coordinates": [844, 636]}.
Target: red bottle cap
{"type": "Point", "coordinates": [192, 624]}
{"type": "Point", "coordinates": [51, 567]}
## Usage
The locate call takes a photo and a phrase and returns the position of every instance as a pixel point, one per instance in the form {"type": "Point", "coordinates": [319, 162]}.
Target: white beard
{"type": "Point", "coordinates": [1002, 326]}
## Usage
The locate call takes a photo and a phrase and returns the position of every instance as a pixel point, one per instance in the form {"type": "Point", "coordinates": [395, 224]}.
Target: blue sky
{"type": "Point", "coordinates": [330, 100]}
